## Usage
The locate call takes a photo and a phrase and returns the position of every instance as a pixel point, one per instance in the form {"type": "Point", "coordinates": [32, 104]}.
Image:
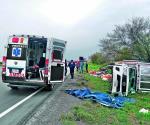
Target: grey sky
{"type": "Point", "coordinates": [82, 29]}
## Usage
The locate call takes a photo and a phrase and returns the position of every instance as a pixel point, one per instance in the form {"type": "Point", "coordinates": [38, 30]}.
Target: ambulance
{"type": "Point", "coordinates": [33, 61]}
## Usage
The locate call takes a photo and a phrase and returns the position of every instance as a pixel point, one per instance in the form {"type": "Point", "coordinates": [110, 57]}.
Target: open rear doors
{"type": "Point", "coordinates": [57, 65]}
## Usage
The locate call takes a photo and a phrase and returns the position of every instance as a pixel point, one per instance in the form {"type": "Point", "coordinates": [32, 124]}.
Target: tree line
{"type": "Point", "coordinates": [125, 42]}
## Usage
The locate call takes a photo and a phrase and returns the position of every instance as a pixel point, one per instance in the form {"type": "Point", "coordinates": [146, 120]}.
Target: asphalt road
{"type": "Point", "coordinates": [9, 97]}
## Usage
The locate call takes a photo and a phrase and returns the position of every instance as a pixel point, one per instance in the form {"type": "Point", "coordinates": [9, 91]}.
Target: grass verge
{"type": "Point", "coordinates": [90, 113]}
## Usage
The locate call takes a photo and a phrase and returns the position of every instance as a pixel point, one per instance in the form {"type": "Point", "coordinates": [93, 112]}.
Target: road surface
{"type": "Point", "coordinates": [13, 114]}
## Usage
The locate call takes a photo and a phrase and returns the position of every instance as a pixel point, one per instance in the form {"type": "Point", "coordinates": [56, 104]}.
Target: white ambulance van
{"type": "Point", "coordinates": [33, 61]}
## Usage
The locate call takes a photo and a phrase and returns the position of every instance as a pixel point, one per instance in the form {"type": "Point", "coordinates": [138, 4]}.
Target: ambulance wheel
{"type": "Point", "coordinates": [49, 87]}
{"type": "Point", "coordinates": [13, 87]}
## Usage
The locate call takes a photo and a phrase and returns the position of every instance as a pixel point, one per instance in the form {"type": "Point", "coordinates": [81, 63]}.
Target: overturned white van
{"type": "Point", "coordinates": [131, 76]}
{"type": "Point", "coordinates": [33, 61]}
{"type": "Point", "coordinates": [124, 79]}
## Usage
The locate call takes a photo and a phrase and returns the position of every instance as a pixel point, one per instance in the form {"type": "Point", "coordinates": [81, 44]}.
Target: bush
{"type": "Point", "coordinates": [97, 58]}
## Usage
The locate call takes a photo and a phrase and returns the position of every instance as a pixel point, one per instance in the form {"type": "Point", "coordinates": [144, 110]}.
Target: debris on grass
{"type": "Point", "coordinates": [143, 110]}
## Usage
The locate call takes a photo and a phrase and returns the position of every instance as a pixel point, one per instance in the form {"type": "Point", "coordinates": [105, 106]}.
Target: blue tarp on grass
{"type": "Point", "coordinates": [102, 98]}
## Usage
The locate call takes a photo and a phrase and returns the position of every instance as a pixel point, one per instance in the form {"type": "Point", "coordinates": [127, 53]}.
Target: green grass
{"type": "Point", "coordinates": [68, 119]}
{"type": "Point", "coordinates": [91, 113]}
{"type": "Point", "coordinates": [95, 67]}
{"type": "Point", "coordinates": [97, 84]}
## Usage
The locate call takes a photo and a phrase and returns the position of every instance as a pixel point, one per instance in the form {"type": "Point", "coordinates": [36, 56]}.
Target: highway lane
{"type": "Point", "coordinates": [10, 97]}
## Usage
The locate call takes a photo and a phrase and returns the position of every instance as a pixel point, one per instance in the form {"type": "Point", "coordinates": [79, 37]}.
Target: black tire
{"type": "Point", "coordinates": [49, 87]}
{"type": "Point", "coordinates": [13, 87]}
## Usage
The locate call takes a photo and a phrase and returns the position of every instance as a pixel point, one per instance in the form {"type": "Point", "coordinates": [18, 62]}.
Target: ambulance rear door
{"type": "Point", "coordinates": [16, 58]}
{"type": "Point", "coordinates": [57, 66]}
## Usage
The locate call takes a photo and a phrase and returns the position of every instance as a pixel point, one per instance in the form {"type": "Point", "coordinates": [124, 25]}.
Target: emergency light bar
{"type": "Point", "coordinates": [17, 40]}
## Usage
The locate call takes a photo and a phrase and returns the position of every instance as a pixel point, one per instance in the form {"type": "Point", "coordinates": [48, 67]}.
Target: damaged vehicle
{"type": "Point", "coordinates": [131, 76]}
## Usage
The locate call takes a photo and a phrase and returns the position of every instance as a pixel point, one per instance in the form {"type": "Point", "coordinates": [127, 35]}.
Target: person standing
{"type": "Point", "coordinates": [86, 67]}
{"type": "Point", "coordinates": [81, 66]}
{"type": "Point", "coordinates": [71, 66]}
{"type": "Point", "coordinates": [65, 67]}
{"type": "Point", "coordinates": [78, 65]}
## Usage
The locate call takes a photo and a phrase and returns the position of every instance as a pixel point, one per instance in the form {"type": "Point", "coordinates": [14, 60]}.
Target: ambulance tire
{"type": "Point", "coordinates": [13, 87]}
{"type": "Point", "coordinates": [49, 87]}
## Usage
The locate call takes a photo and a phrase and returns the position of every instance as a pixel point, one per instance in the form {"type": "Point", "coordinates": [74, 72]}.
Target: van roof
{"type": "Point", "coordinates": [39, 38]}
{"type": "Point", "coordinates": [30, 36]}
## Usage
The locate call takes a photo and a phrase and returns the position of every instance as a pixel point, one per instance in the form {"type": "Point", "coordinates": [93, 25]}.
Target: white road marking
{"type": "Point", "coordinates": [19, 103]}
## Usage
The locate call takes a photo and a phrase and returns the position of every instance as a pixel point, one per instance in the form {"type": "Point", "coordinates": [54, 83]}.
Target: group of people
{"type": "Point", "coordinates": [79, 65]}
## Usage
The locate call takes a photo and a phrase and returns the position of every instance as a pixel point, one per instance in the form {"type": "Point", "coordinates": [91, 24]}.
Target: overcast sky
{"type": "Point", "coordinates": [80, 22]}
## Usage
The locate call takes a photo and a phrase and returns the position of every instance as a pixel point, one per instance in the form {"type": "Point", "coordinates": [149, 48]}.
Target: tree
{"type": "Point", "coordinates": [124, 54]}
{"type": "Point", "coordinates": [131, 39]}
{"type": "Point", "coordinates": [97, 58]}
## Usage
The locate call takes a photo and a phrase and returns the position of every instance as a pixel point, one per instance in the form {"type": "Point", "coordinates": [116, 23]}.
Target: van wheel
{"type": "Point", "coordinates": [14, 88]}
{"type": "Point", "coordinates": [49, 87]}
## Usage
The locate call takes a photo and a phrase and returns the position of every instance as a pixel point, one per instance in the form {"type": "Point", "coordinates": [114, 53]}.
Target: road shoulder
{"type": "Point", "coordinates": [51, 110]}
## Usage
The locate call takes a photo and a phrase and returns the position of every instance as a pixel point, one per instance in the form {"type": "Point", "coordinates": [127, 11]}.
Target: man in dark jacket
{"type": "Point", "coordinates": [65, 67]}
{"type": "Point", "coordinates": [71, 66]}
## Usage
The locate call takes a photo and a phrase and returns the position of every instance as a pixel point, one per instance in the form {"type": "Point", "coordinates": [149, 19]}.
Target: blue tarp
{"type": "Point", "coordinates": [102, 98]}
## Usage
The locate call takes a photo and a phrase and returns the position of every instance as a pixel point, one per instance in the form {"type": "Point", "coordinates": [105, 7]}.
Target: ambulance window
{"type": "Point", "coordinates": [117, 68]}
{"type": "Point", "coordinates": [17, 52]}
{"type": "Point", "coordinates": [57, 54]}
